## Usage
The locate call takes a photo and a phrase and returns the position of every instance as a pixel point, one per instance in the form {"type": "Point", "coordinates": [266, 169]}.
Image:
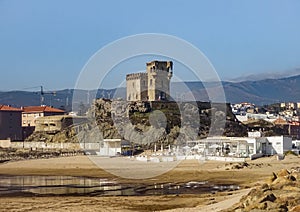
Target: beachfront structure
{"type": "Point", "coordinates": [240, 146]}
{"type": "Point", "coordinates": [152, 85]}
{"type": "Point", "coordinates": [110, 147]}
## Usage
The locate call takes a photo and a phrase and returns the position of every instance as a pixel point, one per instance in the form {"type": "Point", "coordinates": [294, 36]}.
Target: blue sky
{"type": "Point", "coordinates": [47, 42]}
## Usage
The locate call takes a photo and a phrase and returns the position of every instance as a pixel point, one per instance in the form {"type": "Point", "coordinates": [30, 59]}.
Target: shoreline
{"type": "Point", "coordinates": [216, 172]}
{"type": "Point", "coordinates": [83, 166]}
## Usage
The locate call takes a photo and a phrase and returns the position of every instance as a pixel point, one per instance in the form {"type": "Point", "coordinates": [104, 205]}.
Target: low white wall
{"type": "Point", "coordinates": [154, 159]}
{"type": "Point", "coordinates": [229, 159]}
{"type": "Point", "coordinates": [180, 157]}
{"type": "Point", "coordinates": [144, 159]}
{"type": "Point", "coordinates": [5, 143]}
{"type": "Point", "coordinates": [44, 145]}
{"type": "Point", "coordinates": [167, 159]}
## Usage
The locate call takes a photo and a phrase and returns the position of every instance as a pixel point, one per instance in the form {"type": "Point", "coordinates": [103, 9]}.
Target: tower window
{"type": "Point", "coordinates": [133, 84]}
{"type": "Point", "coordinates": [150, 82]}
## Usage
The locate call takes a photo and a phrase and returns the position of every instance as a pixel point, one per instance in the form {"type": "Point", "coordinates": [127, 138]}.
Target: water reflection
{"type": "Point", "coordinates": [58, 185]}
{"type": "Point", "coordinates": [68, 185]}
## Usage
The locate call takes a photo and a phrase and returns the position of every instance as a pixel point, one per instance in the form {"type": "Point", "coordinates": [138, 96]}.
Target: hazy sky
{"type": "Point", "coordinates": [47, 42]}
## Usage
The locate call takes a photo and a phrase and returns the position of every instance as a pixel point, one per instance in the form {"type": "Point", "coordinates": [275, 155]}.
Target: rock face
{"type": "Point", "coordinates": [164, 122]}
{"type": "Point", "coordinates": [280, 193]}
{"type": "Point", "coordinates": [147, 123]}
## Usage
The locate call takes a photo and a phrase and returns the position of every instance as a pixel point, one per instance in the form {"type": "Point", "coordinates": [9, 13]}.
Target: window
{"type": "Point", "coordinates": [150, 82]}
{"type": "Point", "coordinates": [133, 84]}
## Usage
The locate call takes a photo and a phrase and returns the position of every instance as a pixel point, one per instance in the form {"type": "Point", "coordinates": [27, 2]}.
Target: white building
{"type": "Point", "coordinates": [254, 146]}
{"type": "Point", "coordinates": [276, 145]}
{"type": "Point", "coordinates": [110, 147]}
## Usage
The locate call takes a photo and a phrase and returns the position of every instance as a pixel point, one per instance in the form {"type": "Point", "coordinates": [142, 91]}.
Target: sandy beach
{"type": "Point", "coordinates": [215, 172]}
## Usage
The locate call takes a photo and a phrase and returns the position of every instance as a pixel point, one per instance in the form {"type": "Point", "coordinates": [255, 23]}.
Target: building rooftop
{"type": "Point", "coordinates": [31, 109]}
{"type": "Point", "coordinates": [9, 108]}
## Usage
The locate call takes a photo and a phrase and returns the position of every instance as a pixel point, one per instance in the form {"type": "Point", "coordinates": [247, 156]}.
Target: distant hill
{"type": "Point", "coordinates": [62, 99]}
{"type": "Point", "coordinates": [266, 91]}
{"type": "Point", "coordinates": [260, 92]}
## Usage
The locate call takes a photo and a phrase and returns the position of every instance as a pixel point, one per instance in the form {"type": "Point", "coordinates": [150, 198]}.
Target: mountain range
{"type": "Point", "coordinates": [261, 92]}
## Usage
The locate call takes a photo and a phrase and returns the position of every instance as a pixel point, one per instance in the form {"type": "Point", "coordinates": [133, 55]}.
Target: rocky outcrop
{"type": "Point", "coordinates": [281, 192]}
{"type": "Point", "coordinates": [245, 165]}
{"type": "Point", "coordinates": [164, 122]}
{"type": "Point", "coordinates": [147, 123]}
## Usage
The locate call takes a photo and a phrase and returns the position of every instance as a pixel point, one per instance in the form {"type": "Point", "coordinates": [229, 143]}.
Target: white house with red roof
{"type": "Point", "coordinates": [10, 123]}
{"type": "Point", "coordinates": [30, 113]}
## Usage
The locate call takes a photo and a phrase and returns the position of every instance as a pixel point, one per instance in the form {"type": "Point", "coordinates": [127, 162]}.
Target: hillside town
{"type": "Point", "coordinates": [284, 115]}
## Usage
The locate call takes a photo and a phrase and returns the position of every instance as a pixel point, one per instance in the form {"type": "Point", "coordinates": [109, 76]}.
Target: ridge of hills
{"type": "Point", "coordinates": [266, 91]}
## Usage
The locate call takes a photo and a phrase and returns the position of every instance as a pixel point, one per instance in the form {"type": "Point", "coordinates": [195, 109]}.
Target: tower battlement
{"type": "Point", "coordinates": [135, 76]}
{"type": "Point", "coordinates": [160, 66]}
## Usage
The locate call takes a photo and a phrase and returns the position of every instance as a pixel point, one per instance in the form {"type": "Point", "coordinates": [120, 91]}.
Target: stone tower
{"type": "Point", "coordinates": [159, 76]}
{"type": "Point", "coordinates": [154, 85]}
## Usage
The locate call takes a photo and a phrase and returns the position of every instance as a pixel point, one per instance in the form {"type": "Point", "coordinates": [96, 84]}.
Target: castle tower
{"type": "Point", "coordinates": [152, 85]}
{"type": "Point", "coordinates": [137, 87]}
{"type": "Point", "coordinates": [159, 76]}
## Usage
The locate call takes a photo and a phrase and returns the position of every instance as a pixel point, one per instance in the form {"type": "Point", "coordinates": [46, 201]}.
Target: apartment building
{"type": "Point", "coordinates": [10, 123]}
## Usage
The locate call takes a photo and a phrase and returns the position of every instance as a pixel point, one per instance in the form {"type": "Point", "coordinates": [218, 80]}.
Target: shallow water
{"type": "Point", "coordinates": [86, 186]}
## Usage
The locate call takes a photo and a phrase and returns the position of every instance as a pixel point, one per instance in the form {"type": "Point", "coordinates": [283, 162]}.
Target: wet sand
{"type": "Point", "coordinates": [186, 171]}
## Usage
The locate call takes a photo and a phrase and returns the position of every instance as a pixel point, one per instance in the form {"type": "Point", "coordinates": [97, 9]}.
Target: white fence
{"type": "Point", "coordinates": [229, 159]}
{"type": "Point", "coordinates": [5, 143]}
{"type": "Point", "coordinates": [44, 145]}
